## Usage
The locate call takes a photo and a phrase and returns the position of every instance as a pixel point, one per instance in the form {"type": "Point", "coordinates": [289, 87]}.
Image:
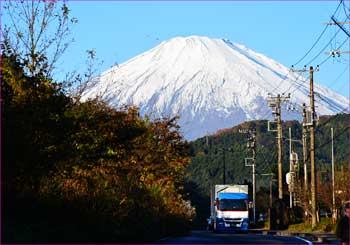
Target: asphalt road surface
{"type": "Point", "coordinates": [208, 237]}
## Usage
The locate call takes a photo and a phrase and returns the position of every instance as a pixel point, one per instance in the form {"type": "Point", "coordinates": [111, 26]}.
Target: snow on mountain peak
{"type": "Point", "coordinates": [210, 83]}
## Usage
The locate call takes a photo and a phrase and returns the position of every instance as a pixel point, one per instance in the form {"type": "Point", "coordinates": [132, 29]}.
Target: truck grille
{"type": "Point", "coordinates": [233, 220]}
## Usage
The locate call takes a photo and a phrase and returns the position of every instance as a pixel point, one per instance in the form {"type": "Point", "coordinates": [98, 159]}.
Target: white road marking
{"type": "Point", "coordinates": [307, 241]}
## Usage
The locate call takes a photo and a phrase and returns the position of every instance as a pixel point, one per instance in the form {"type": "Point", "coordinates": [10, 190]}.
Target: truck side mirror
{"type": "Point", "coordinates": [250, 205]}
{"type": "Point", "coordinates": [217, 202]}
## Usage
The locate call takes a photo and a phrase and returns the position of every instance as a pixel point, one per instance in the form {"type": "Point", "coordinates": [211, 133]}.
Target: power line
{"type": "Point", "coordinates": [330, 119]}
{"type": "Point", "coordinates": [298, 85]}
{"type": "Point", "coordinates": [344, 8]}
{"type": "Point", "coordinates": [302, 83]}
{"type": "Point", "coordinates": [299, 76]}
{"type": "Point", "coordinates": [337, 136]}
{"type": "Point", "coordinates": [323, 48]}
{"type": "Point", "coordinates": [339, 24]}
{"type": "Point", "coordinates": [339, 76]}
{"type": "Point", "coordinates": [334, 106]}
{"type": "Point", "coordinates": [318, 39]}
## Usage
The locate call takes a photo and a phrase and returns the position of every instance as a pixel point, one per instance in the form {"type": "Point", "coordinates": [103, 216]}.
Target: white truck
{"type": "Point", "coordinates": [229, 208]}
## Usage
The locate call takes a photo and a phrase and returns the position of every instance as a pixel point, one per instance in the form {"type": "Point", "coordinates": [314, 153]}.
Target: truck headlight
{"type": "Point", "coordinates": [245, 223]}
{"type": "Point", "coordinates": [220, 221]}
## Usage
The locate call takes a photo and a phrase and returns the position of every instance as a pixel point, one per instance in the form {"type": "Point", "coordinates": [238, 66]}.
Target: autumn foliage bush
{"type": "Point", "coordinates": [109, 172]}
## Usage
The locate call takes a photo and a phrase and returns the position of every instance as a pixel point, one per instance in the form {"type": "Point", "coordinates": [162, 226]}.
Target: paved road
{"type": "Point", "coordinates": [207, 237]}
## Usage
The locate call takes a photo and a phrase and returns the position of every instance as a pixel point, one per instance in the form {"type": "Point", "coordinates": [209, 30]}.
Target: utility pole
{"type": "Point", "coordinates": [275, 104]}
{"type": "Point", "coordinates": [305, 157]}
{"type": "Point", "coordinates": [254, 181]}
{"type": "Point", "coordinates": [252, 146]}
{"type": "Point", "coordinates": [291, 170]}
{"type": "Point", "coordinates": [334, 217]}
{"type": "Point", "coordinates": [294, 186]}
{"type": "Point", "coordinates": [305, 150]}
{"type": "Point", "coordinates": [312, 149]}
{"type": "Point", "coordinates": [224, 167]}
{"type": "Point", "coordinates": [279, 143]}
{"type": "Point", "coordinates": [310, 122]}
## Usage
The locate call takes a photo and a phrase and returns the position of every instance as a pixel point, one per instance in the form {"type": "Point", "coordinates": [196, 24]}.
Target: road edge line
{"type": "Point", "coordinates": [307, 241]}
{"type": "Point", "coordinates": [164, 238]}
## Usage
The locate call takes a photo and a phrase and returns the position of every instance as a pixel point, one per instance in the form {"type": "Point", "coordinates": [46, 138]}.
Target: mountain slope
{"type": "Point", "coordinates": [206, 167]}
{"type": "Point", "coordinates": [209, 83]}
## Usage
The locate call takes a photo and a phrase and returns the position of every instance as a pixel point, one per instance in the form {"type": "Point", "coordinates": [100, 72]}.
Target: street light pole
{"type": "Point", "coordinates": [224, 166]}
{"type": "Point", "coordinates": [333, 203]}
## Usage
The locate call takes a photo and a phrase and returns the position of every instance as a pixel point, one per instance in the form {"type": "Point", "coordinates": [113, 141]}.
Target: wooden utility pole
{"type": "Point", "coordinates": [305, 157]}
{"type": "Point", "coordinates": [312, 150]}
{"type": "Point", "coordinates": [291, 170]}
{"type": "Point", "coordinates": [254, 181]}
{"type": "Point", "coordinates": [279, 145]}
{"type": "Point", "coordinates": [305, 150]}
{"type": "Point", "coordinates": [275, 104]}
{"type": "Point", "coordinates": [309, 121]}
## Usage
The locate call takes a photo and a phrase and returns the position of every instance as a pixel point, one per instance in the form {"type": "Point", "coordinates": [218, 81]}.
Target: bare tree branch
{"type": "Point", "coordinates": [38, 33]}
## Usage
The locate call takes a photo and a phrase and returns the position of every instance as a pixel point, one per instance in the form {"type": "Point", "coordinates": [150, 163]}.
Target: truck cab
{"type": "Point", "coordinates": [230, 208]}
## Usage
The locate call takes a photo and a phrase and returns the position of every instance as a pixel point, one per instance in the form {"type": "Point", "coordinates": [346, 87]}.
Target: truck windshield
{"type": "Point", "coordinates": [233, 205]}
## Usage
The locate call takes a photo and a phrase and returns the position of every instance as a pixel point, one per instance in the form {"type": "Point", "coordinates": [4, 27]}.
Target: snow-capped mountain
{"type": "Point", "coordinates": [210, 83]}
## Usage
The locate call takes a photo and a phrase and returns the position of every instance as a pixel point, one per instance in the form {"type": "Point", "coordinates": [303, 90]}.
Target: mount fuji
{"type": "Point", "coordinates": [210, 83]}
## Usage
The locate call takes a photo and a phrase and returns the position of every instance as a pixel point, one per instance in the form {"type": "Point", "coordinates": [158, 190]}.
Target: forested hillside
{"type": "Point", "coordinates": [208, 153]}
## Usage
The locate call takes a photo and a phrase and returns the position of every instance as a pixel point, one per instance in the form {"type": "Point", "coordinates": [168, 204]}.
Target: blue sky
{"type": "Point", "coordinates": [281, 30]}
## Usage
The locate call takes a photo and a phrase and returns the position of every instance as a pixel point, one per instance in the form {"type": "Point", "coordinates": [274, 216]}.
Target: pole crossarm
{"type": "Point", "coordinates": [336, 22]}
{"type": "Point", "coordinates": [337, 52]}
{"type": "Point", "coordinates": [300, 70]}
{"type": "Point", "coordinates": [339, 22]}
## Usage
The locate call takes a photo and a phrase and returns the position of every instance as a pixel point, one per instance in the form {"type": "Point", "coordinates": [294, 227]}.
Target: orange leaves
{"type": "Point", "coordinates": [121, 164]}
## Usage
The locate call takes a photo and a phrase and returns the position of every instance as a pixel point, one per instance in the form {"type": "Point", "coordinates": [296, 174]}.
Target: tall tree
{"type": "Point", "coordinates": [38, 31]}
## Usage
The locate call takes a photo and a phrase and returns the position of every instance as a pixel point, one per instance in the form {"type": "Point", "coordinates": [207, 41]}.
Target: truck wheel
{"type": "Point", "coordinates": [214, 228]}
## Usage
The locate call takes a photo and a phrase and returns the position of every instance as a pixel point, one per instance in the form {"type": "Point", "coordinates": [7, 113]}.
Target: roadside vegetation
{"type": "Point", "coordinates": [80, 171]}
{"type": "Point", "coordinates": [325, 225]}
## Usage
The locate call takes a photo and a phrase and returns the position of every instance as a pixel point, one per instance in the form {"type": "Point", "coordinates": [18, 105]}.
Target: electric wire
{"type": "Point", "coordinates": [330, 119]}
{"type": "Point", "coordinates": [344, 8]}
{"type": "Point", "coordinates": [339, 76]}
{"type": "Point", "coordinates": [328, 57]}
{"type": "Point", "coordinates": [317, 40]}
{"type": "Point", "coordinates": [322, 50]}
{"type": "Point", "coordinates": [303, 83]}
{"type": "Point", "coordinates": [319, 37]}
{"type": "Point", "coordinates": [335, 137]}
{"type": "Point", "coordinates": [303, 57]}
{"type": "Point", "coordinates": [335, 107]}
